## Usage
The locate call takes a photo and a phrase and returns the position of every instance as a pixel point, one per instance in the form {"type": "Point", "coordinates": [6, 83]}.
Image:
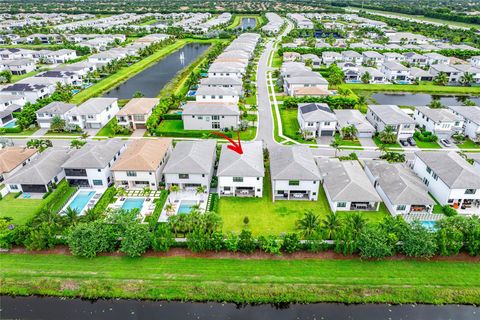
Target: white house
{"type": "Point", "coordinates": [330, 57]}
{"type": "Point", "coordinates": [441, 122]}
{"type": "Point", "coordinates": [395, 71]}
{"type": "Point", "coordinates": [210, 116]}
{"type": "Point", "coordinates": [94, 113]}
{"type": "Point", "coordinates": [294, 174]}
{"type": "Point", "coordinates": [381, 116]}
{"type": "Point", "coordinates": [141, 165]}
{"type": "Point", "coordinates": [241, 175]}
{"type": "Point", "coordinates": [316, 120]}
{"type": "Point", "coordinates": [401, 191]}
{"type": "Point", "coordinates": [471, 123]}
{"type": "Point", "coordinates": [436, 58]}
{"type": "Point", "coordinates": [346, 186]}
{"type": "Point", "coordinates": [31, 92]}
{"type": "Point", "coordinates": [452, 73]}
{"type": "Point", "coordinates": [217, 94]}
{"type": "Point", "coordinates": [191, 165]}
{"type": "Point", "coordinates": [56, 108]}
{"type": "Point", "coordinates": [349, 117]}
{"type": "Point", "coordinates": [450, 179]}
{"type": "Point", "coordinates": [18, 67]}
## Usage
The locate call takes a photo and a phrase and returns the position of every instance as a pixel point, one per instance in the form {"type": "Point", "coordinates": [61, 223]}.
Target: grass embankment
{"type": "Point", "coordinates": [128, 72]}
{"type": "Point", "coordinates": [422, 88]}
{"type": "Point", "coordinates": [237, 20]}
{"type": "Point", "coordinates": [352, 281]}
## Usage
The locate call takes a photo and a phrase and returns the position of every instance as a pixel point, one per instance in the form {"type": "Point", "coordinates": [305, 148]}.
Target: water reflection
{"type": "Point", "coordinates": [420, 99]}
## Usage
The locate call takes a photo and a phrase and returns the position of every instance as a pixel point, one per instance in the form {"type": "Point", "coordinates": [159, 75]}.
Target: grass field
{"type": "Point", "coordinates": [379, 143]}
{"type": "Point", "coordinates": [250, 280]}
{"type": "Point", "coordinates": [427, 145]}
{"type": "Point", "coordinates": [290, 126]}
{"type": "Point", "coordinates": [16, 78]}
{"type": "Point", "coordinates": [274, 218]}
{"type": "Point", "coordinates": [426, 88]}
{"type": "Point", "coordinates": [176, 127]}
{"type": "Point", "coordinates": [106, 131]}
{"type": "Point", "coordinates": [21, 210]}
{"type": "Point", "coordinates": [469, 144]}
{"type": "Point", "coordinates": [347, 143]}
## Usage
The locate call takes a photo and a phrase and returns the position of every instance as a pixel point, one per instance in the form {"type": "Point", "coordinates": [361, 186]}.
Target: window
{"type": "Point", "coordinates": [237, 179]}
{"type": "Point", "coordinates": [183, 176]}
{"type": "Point", "coordinates": [138, 117]}
{"type": "Point", "coordinates": [470, 191]}
{"type": "Point", "coordinates": [97, 182]}
{"type": "Point", "coordinates": [294, 183]}
{"type": "Point", "coordinates": [341, 204]}
{"type": "Point", "coordinates": [13, 187]}
{"type": "Point", "coordinates": [216, 125]}
{"type": "Point", "coordinates": [327, 123]}
{"type": "Point", "coordinates": [401, 207]}
{"type": "Point", "coordinates": [429, 170]}
{"type": "Point", "coordinates": [215, 117]}
{"type": "Point", "coordinates": [226, 188]}
{"type": "Point", "coordinates": [131, 173]}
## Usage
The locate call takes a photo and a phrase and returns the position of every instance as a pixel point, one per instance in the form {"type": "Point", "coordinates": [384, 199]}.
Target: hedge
{"type": "Point", "coordinates": [213, 205]}
{"type": "Point", "coordinates": [105, 200]}
{"type": "Point", "coordinates": [11, 130]}
{"type": "Point", "coordinates": [159, 203]}
{"type": "Point", "coordinates": [425, 136]}
{"type": "Point", "coordinates": [171, 116]}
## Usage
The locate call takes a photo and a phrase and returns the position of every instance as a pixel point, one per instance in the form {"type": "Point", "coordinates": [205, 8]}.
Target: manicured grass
{"type": "Point", "coordinates": [290, 126]}
{"type": "Point", "coordinates": [27, 132]}
{"type": "Point", "coordinates": [427, 145]}
{"type": "Point", "coordinates": [251, 100]}
{"type": "Point", "coordinates": [249, 280]}
{"type": "Point", "coordinates": [276, 60]}
{"type": "Point", "coordinates": [176, 127]}
{"type": "Point", "coordinates": [427, 88]}
{"type": "Point", "coordinates": [16, 78]}
{"type": "Point", "coordinates": [274, 218]}
{"type": "Point", "coordinates": [106, 131]}
{"type": "Point", "coordinates": [21, 210]}
{"type": "Point", "coordinates": [348, 143]}
{"type": "Point", "coordinates": [469, 144]}
{"type": "Point", "coordinates": [379, 143]}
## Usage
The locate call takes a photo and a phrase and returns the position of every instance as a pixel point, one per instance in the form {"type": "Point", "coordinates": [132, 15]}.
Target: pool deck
{"type": "Point", "coordinates": [147, 209]}
{"type": "Point", "coordinates": [176, 198]}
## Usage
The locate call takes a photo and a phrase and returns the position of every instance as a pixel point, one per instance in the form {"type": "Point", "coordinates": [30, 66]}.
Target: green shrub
{"type": "Point", "coordinates": [213, 205]}
{"type": "Point", "coordinates": [425, 136]}
{"type": "Point", "coordinates": [449, 211]}
{"type": "Point", "coordinates": [136, 240]}
{"type": "Point", "coordinates": [171, 116]}
{"type": "Point", "coordinates": [105, 200]}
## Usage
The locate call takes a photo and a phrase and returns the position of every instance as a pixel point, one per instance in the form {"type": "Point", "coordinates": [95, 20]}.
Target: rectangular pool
{"type": "Point", "coordinates": [11, 124]}
{"type": "Point", "coordinates": [429, 225]}
{"type": "Point", "coordinates": [186, 206]}
{"type": "Point", "coordinates": [133, 203]}
{"type": "Point", "coordinates": [81, 200]}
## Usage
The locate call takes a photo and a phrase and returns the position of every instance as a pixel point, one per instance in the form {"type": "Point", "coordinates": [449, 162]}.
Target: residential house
{"type": "Point", "coordinates": [395, 71]}
{"type": "Point", "coordinates": [191, 165]}
{"type": "Point", "coordinates": [18, 67]}
{"type": "Point", "coordinates": [217, 94]}
{"type": "Point", "coordinates": [352, 56]}
{"type": "Point", "coordinates": [471, 123]}
{"type": "Point", "coordinates": [294, 174]}
{"type": "Point", "coordinates": [372, 58]}
{"type": "Point", "coordinates": [417, 75]}
{"type": "Point", "coordinates": [452, 73]}
{"type": "Point", "coordinates": [475, 61]}
{"type": "Point", "coordinates": [141, 165]}
{"type": "Point", "coordinates": [315, 60]}
{"type": "Point", "coordinates": [436, 58]}
{"type": "Point", "coordinates": [62, 77]}
{"type": "Point", "coordinates": [415, 59]}
{"type": "Point", "coordinates": [41, 173]}
{"type": "Point", "coordinates": [60, 56]}
{"type": "Point", "coordinates": [330, 57]}
{"type": "Point", "coordinates": [31, 92]}
{"type": "Point", "coordinates": [227, 69]}
{"type": "Point", "coordinates": [381, 116]}
{"type": "Point", "coordinates": [349, 117]}
{"type": "Point", "coordinates": [53, 109]}
{"type": "Point", "coordinates": [8, 105]}
{"type": "Point", "coordinates": [346, 186]}
{"type": "Point", "coordinates": [135, 113]}
{"type": "Point", "coordinates": [13, 159]}
{"type": "Point", "coordinates": [316, 120]}
{"type": "Point", "coordinates": [393, 57]}
{"type": "Point", "coordinates": [94, 113]}
{"type": "Point", "coordinates": [466, 68]}
{"type": "Point", "coordinates": [210, 116]}
{"type": "Point", "coordinates": [400, 189]}
{"type": "Point", "coordinates": [241, 175]}
{"type": "Point", "coordinates": [450, 179]}
{"type": "Point", "coordinates": [222, 82]}
{"type": "Point", "coordinates": [90, 166]}
{"type": "Point", "coordinates": [441, 122]}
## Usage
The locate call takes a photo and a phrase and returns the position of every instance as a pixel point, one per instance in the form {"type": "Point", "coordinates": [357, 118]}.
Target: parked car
{"type": "Point", "coordinates": [404, 143]}
{"type": "Point", "coordinates": [412, 142]}
{"type": "Point", "coordinates": [446, 142]}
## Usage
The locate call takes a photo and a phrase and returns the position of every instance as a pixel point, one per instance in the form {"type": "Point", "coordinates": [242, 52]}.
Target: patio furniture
{"type": "Point", "coordinates": [298, 195]}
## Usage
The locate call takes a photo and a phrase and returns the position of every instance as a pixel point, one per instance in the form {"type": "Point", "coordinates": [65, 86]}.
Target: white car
{"type": "Point", "coordinates": [446, 142]}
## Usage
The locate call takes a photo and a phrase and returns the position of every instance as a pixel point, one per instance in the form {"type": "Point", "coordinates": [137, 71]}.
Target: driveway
{"type": "Point", "coordinates": [367, 142]}
{"type": "Point", "coordinates": [138, 133]}
{"type": "Point", "coordinates": [40, 132]}
{"type": "Point", "coordinates": [324, 140]}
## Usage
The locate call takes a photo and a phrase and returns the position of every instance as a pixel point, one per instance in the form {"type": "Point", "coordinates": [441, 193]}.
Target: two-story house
{"type": "Point", "coordinates": [381, 116]}
{"type": "Point", "coordinates": [94, 113]}
{"type": "Point", "coordinates": [316, 120]}
{"type": "Point", "coordinates": [51, 110]}
{"type": "Point", "coordinates": [135, 113]}
{"type": "Point", "coordinates": [210, 116]}
{"type": "Point", "coordinates": [471, 120]}
{"type": "Point", "coordinates": [441, 122]}
{"type": "Point", "coordinates": [217, 94]}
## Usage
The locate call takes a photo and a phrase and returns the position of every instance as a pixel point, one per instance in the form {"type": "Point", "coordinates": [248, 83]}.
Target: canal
{"type": "Point", "coordinates": [419, 99]}
{"type": "Point", "coordinates": [57, 308]}
{"type": "Point", "coordinates": [248, 24]}
{"type": "Point", "coordinates": [152, 80]}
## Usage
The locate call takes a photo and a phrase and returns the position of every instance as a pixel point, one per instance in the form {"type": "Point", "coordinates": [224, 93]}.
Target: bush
{"type": "Point", "coordinates": [136, 240]}
{"type": "Point", "coordinates": [213, 205]}
{"type": "Point", "coordinates": [425, 136]}
{"type": "Point", "coordinates": [419, 242]}
{"type": "Point", "coordinates": [449, 211]}
{"type": "Point", "coordinates": [105, 200]}
{"type": "Point", "coordinates": [376, 243]}
{"type": "Point", "coordinates": [291, 242]}
{"type": "Point", "coordinates": [159, 203]}
{"type": "Point", "coordinates": [231, 242]}
{"type": "Point", "coordinates": [270, 244]}
{"type": "Point", "coordinates": [197, 240]}
{"type": "Point", "coordinates": [171, 116]}
{"type": "Point", "coordinates": [246, 242]}
{"type": "Point", "coordinates": [162, 238]}
{"type": "Point", "coordinates": [89, 239]}
{"type": "Point", "coordinates": [41, 237]}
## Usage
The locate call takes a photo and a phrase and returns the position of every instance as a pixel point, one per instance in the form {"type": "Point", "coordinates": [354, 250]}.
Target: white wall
{"type": "Point", "coordinates": [308, 185]}
{"type": "Point", "coordinates": [204, 122]}
{"type": "Point", "coordinates": [254, 182]}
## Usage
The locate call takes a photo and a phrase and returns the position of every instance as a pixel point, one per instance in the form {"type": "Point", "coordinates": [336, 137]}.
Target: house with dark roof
{"type": "Point", "coordinates": [294, 174]}
{"type": "Point", "coordinates": [316, 120]}
{"type": "Point", "coordinates": [241, 175]}
{"type": "Point", "coordinates": [31, 92]}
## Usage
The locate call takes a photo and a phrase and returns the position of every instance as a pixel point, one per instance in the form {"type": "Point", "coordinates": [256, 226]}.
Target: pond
{"type": "Point", "coordinates": [58, 308]}
{"type": "Point", "coordinates": [152, 80]}
{"type": "Point", "coordinates": [248, 23]}
{"type": "Point", "coordinates": [420, 99]}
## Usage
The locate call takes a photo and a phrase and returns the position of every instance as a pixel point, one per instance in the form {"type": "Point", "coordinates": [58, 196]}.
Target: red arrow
{"type": "Point", "coordinates": [235, 146]}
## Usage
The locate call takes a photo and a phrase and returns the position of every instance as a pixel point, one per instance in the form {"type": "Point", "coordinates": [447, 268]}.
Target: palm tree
{"type": "Point", "coordinates": [467, 79]}
{"type": "Point", "coordinates": [366, 77]}
{"type": "Point", "coordinates": [331, 224]}
{"type": "Point", "coordinates": [309, 224]}
{"type": "Point", "coordinates": [382, 148]}
{"type": "Point", "coordinates": [441, 79]}
{"type": "Point", "coordinates": [174, 189]}
{"type": "Point", "coordinates": [388, 135]}
{"type": "Point", "coordinates": [71, 216]}
{"type": "Point", "coordinates": [336, 145]}
{"type": "Point", "coordinates": [349, 132]}
{"type": "Point", "coordinates": [357, 222]}
{"type": "Point", "coordinates": [77, 144]}
{"type": "Point", "coordinates": [169, 208]}
{"type": "Point", "coordinates": [146, 191]}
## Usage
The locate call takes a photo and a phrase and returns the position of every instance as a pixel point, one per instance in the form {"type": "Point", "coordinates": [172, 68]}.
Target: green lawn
{"type": "Point", "coordinates": [425, 87]}
{"type": "Point", "coordinates": [347, 143]}
{"type": "Point", "coordinates": [175, 129]}
{"type": "Point", "coordinates": [290, 126]}
{"type": "Point", "coordinates": [274, 218]}
{"type": "Point", "coordinates": [27, 132]}
{"type": "Point", "coordinates": [427, 145]}
{"type": "Point", "coordinates": [106, 131]}
{"type": "Point", "coordinates": [251, 100]}
{"type": "Point", "coordinates": [16, 78]}
{"type": "Point", "coordinates": [238, 18]}
{"type": "Point", "coordinates": [21, 210]}
{"type": "Point", "coordinates": [237, 280]}
{"type": "Point", "coordinates": [469, 144]}
{"type": "Point", "coordinates": [276, 60]}
{"type": "Point", "coordinates": [379, 143]}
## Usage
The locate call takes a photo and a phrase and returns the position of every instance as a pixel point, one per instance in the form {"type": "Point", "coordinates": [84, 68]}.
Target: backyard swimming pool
{"type": "Point", "coordinates": [81, 200]}
{"type": "Point", "coordinates": [133, 203]}
{"type": "Point", "coordinates": [11, 124]}
{"type": "Point", "coordinates": [186, 206]}
{"type": "Point", "coordinates": [430, 225]}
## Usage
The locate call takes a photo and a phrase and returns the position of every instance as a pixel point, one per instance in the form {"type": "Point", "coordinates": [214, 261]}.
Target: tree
{"type": "Point", "coordinates": [89, 239]}
{"type": "Point", "coordinates": [467, 79]}
{"type": "Point", "coordinates": [309, 224]}
{"type": "Point", "coordinates": [5, 76]}
{"type": "Point", "coordinates": [331, 224]}
{"type": "Point", "coordinates": [349, 132]}
{"type": "Point", "coordinates": [146, 191]}
{"type": "Point", "coordinates": [335, 145]}
{"type": "Point", "coordinates": [246, 242]}
{"type": "Point", "coordinates": [77, 144]}
{"type": "Point", "coordinates": [136, 240]}
{"type": "Point", "coordinates": [57, 124]}
{"type": "Point", "coordinates": [366, 77]}
{"type": "Point", "coordinates": [335, 75]}
{"type": "Point", "coordinates": [418, 241]}
{"type": "Point", "coordinates": [43, 236]}
{"type": "Point", "coordinates": [388, 135]}
{"type": "Point", "coordinates": [441, 79]}
{"type": "Point", "coordinates": [71, 216]}
{"type": "Point", "coordinates": [174, 189]}
{"type": "Point", "coordinates": [162, 238]}
{"type": "Point", "coordinates": [291, 242]}
{"type": "Point", "coordinates": [375, 243]}
{"type": "Point", "coordinates": [39, 144]}
{"type": "Point", "coordinates": [435, 104]}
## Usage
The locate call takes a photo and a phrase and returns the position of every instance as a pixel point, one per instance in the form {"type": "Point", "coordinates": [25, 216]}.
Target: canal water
{"type": "Point", "coordinates": [152, 80]}
{"type": "Point", "coordinates": [57, 308]}
{"type": "Point", "coordinates": [248, 23]}
{"type": "Point", "coordinates": [419, 99]}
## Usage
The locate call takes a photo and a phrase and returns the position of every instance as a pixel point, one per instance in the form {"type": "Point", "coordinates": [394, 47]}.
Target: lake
{"type": "Point", "coordinates": [419, 99]}
{"type": "Point", "coordinates": [57, 308]}
{"type": "Point", "coordinates": [152, 80]}
{"type": "Point", "coordinates": [248, 23]}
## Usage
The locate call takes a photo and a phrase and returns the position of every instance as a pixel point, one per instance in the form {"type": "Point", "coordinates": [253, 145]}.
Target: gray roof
{"type": "Point", "coordinates": [221, 81]}
{"type": "Point", "coordinates": [93, 106]}
{"type": "Point", "coordinates": [9, 97]}
{"type": "Point", "coordinates": [452, 169]}
{"type": "Point", "coordinates": [226, 67]}
{"type": "Point", "coordinates": [439, 115]}
{"type": "Point", "coordinates": [314, 112]}
{"type": "Point", "coordinates": [311, 79]}
{"type": "Point", "coordinates": [391, 114]}
{"type": "Point", "coordinates": [216, 91]}
{"type": "Point", "coordinates": [347, 117]}
{"type": "Point", "coordinates": [399, 183]}
{"type": "Point", "coordinates": [346, 181]}
{"type": "Point", "coordinates": [474, 156]}
{"type": "Point", "coordinates": [210, 108]}
{"type": "Point", "coordinates": [95, 154]}
{"type": "Point", "coordinates": [392, 65]}
{"type": "Point", "coordinates": [56, 107]}
{"type": "Point", "coordinates": [196, 157]}
{"type": "Point", "coordinates": [42, 169]}
{"type": "Point", "coordinates": [293, 163]}
{"type": "Point", "coordinates": [248, 164]}
{"type": "Point", "coordinates": [469, 113]}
